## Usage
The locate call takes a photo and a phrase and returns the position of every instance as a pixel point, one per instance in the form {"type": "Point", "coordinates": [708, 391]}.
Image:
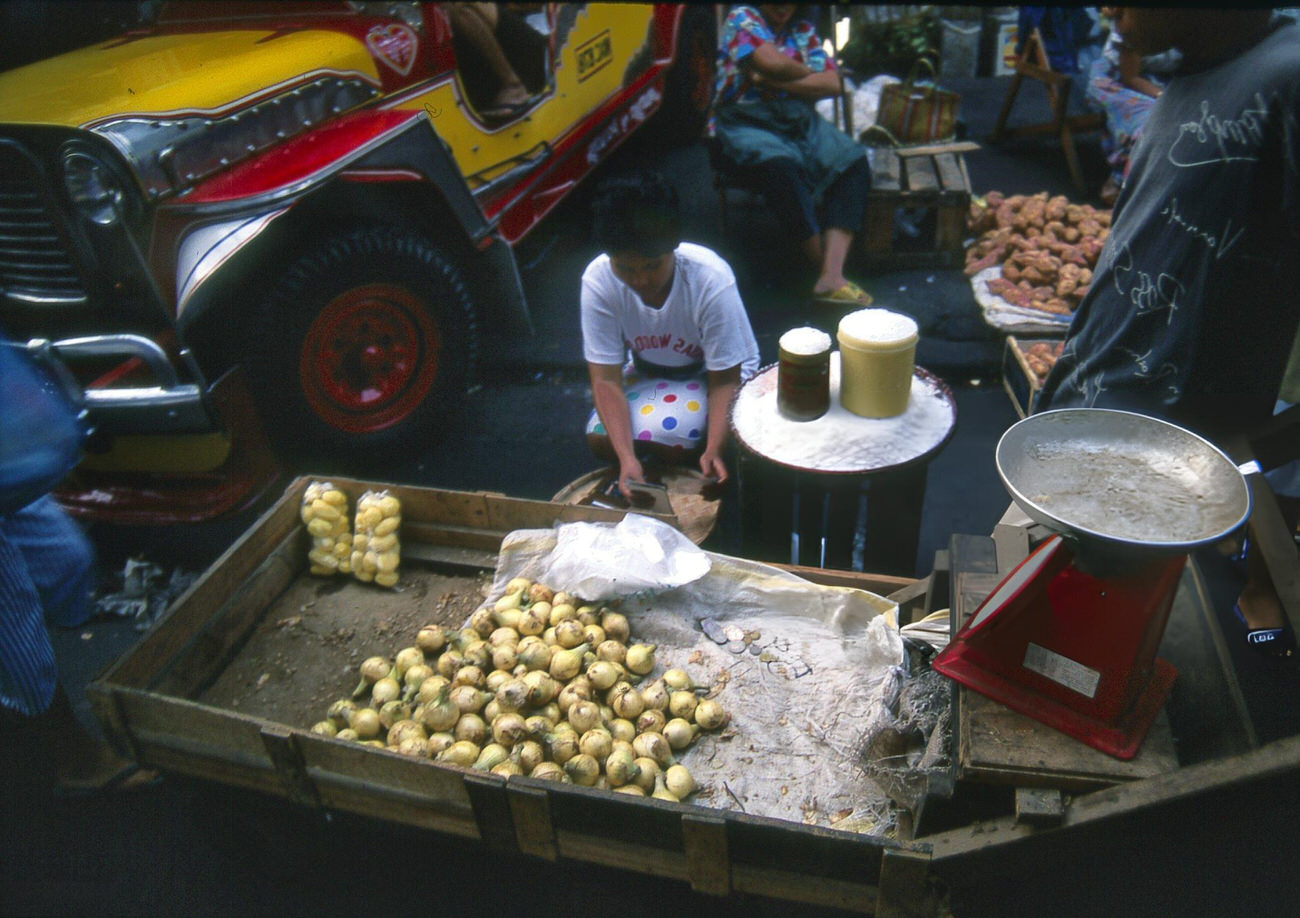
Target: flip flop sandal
{"type": "Point", "coordinates": [1271, 642]}
{"type": "Point", "coordinates": [848, 295]}
{"type": "Point", "coordinates": [121, 782]}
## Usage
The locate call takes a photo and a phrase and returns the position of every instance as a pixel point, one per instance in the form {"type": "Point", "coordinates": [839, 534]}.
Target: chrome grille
{"type": "Point", "coordinates": [35, 263]}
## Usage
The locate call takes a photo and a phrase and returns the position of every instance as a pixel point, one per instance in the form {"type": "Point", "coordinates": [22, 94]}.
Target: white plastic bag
{"type": "Point", "coordinates": [597, 562]}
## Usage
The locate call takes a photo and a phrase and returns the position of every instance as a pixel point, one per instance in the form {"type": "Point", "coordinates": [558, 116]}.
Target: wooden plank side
{"type": "Point", "coordinates": [881, 584]}
{"type": "Point", "coordinates": [192, 611]}
{"type": "Point", "coordinates": [922, 178]}
{"type": "Point", "coordinates": [704, 839]}
{"type": "Point", "coordinates": [885, 170]}
{"type": "Point", "coordinates": [950, 174]}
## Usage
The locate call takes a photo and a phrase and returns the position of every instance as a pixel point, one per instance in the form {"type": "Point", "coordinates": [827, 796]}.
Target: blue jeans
{"type": "Point", "coordinates": [46, 575]}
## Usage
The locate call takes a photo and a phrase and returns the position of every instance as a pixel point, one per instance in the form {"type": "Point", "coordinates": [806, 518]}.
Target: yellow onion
{"type": "Point", "coordinates": [385, 690]}
{"type": "Point", "coordinates": [596, 743]}
{"type": "Point", "coordinates": [621, 729]}
{"type": "Point", "coordinates": [651, 721]}
{"type": "Point", "coordinates": [492, 754]}
{"type": "Point", "coordinates": [548, 636]}
{"type": "Point", "coordinates": [365, 723]}
{"type": "Point", "coordinates": [440, 714]}
{"type": "Point", "coordinates": [483, 621]}
{"type": "Point", "coordinates": [573, 692]}
{"type": "Point", "coordinates": [501, 636]}
{"type": "Point", "coordinates": [647, 769]}
{"type": "Point", "coordinates": [506, 769]}
{"type": "Point", "coordinates": [661, 791]}
{"type": "Point", "coordinates": [520, 585]}
{"type": "Point", "coordinates": [582, 770]}
{"type": "Point", "coordinates": [620, 767]}
{"type": "Point", "coordinates": [528, 755]}
{"type": "Point", "coordinates": [462, 638]}
{"type": "Point", "coordinates": [430, 688]}
{"type": "Point", "coordinates": [374, 743]}
{"type": "Point", "coordinates": [551, 712]}
{"type": "Point", "coordinates": [710, 715]}
{"type": "Point", "coordinates": [491, 710]}
{"type": "Point", "coordinates": [561, 612]}
{"type": "Point", "coordinates": [510, 600]}
{"type": "Point", "coordinates": [593, 634]}
{"type": "Point", "coordinates": [469, 674]}
{"type": "Point", "coordinates": [325, 728]}
{"type": "Point", "coordinates": [534, 621]}
{"type": "Point", "coordinates": [509, 729]}
{"type": "Point", "coordinates": [461, 752]}
{"type": "Point", "coordinates": [584, 715]}
{"type": "Point", "coordinates": [626, 701]}
{"type": "Point", "coordinates": [615, 625]}
{"type": "Point", "coordinates": [682, 704]}
{"type": "Point", "coordinates": [655, 695]}
{"type": "Point", "coordinates": [467, 698]}
{"type": "Point", "coordinates": [535, 656]}
{"type": "Point", "coordinates": [678, 680]}
{"type": "Point", "coordinates": [563, 745]}
{"type": "Point", "coordinates": [603, 674]}
{"type": "Point", "coordinates": [405, 659]}
{"type": "Point", "coordinates": [563, 598]}
{"type": "Point", "coordinates": [504, 657]}
{"type": "Point", "coordinates": [415, 747]}
{"type": "Point", "coordinates": [414, 678]}
{"type": "Point", "coordinates": [431, 638]}
{"type": "Point", "coordinates": [538, 726]}
{"type": "Point", "coordinates": [654, 746]}
{"type": "Point", "coordinates": [640, 658]}
{"type": "Point", "coordinates": [340, 711]}
{"type": "Point", "coordinates": [448, 662]}
{"type": "Point", "coordinates": [496, 679]}
{"type": "Point", "coordinates": [471, 727]}
{"type": "Point", "coordinates": [440, 741]}
{"type": "Point", "coordinates": [403, 729]}
{"type": "Point", "coordinates": [588, 615]}
{"type": "Point", "coordinates": [679, 781]}
{"type": "Point", "coordinates": [632, 790]}
{"type": "Point", "coordinates": [569, 633]}
{"type": "Point", "coordinates": [542, 689]}
{"type": "Point", "coordinates": [679, 733]}
{"type": "Point", "coordinates": [372, 670]}
{"type": "Point", "coordinates": [513, 695]}
{"type": "Point", "coordinates": [549, 771]}
{"type": "Point", "coordinates": [347, 733]}
{"type": "Point", "coordinates": [613, 651]}
{"type": "Point", "coordinates": [540, 592]}
{"type": "Point", "coordinates": [393, 711]}
{"type": "Point", "coordinates": [565, 664]}
{"type": "Point", "coordinates": [479, 654]}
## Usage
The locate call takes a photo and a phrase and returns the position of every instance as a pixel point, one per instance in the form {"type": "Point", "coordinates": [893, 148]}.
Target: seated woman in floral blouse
{"type": "Point", "coordinates": [771, 70]}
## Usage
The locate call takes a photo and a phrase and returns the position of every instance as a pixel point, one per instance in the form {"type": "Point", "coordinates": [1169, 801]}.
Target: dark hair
{"type": "Point", "coordinates": [638, 213]}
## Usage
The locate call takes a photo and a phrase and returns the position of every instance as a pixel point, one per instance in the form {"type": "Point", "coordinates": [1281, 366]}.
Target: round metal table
{"type": "Point", "coordinates": [802, 483]}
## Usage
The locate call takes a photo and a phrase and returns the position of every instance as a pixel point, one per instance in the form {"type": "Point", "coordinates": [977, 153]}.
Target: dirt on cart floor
{"type": "Point", "coordinates": [304, 653]}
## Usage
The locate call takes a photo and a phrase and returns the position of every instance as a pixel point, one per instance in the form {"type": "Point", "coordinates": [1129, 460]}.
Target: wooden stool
{"type": "Point", "coordinates": [1033, 63]}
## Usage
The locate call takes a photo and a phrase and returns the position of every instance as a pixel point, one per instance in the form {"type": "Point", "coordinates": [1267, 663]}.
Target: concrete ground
{"type": "Point", "coordinates": [193, 849]}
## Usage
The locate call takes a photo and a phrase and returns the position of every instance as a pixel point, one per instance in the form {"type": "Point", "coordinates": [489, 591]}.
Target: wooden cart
{"type": "Point", "coordinates": [169, 702]}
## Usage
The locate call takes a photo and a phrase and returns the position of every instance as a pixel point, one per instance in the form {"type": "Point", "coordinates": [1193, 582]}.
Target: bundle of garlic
{"type": "Point", "coordinates": [325, 513]}
{"type": "Point", "coordinates": [540, 684]}
{"type": "Point", "coordinates": [376, 551]}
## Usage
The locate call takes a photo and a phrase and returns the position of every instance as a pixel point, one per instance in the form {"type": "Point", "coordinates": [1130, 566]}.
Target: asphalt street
{"type": "Point", "coordinates": [189, 848]}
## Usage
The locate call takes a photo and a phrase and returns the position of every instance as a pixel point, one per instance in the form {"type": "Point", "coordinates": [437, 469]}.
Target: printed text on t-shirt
{"type": "Point", "coordinates": [644, 343]}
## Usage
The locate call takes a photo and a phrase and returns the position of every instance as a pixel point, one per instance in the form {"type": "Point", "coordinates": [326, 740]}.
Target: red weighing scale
{"type": "Point", "coordinates": [1069, 637]}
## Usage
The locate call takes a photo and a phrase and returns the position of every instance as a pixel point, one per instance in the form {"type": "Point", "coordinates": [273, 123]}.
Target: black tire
{"type": "Point", "coordinates": [688, 87]}
{"type": "Point", "coordinates": [364, 341]}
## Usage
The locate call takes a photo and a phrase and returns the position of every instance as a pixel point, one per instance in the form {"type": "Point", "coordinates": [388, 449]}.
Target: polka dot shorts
{"type": "Point", "coordinates": [669, 412]}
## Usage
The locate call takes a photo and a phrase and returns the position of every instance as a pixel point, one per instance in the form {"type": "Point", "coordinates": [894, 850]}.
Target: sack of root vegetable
{"type": "Point", "coordinates": [1033, 257]}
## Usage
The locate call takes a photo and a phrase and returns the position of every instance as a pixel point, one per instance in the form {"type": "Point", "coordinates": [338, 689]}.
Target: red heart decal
{"type": "Point", "coordinates": [395, 44]}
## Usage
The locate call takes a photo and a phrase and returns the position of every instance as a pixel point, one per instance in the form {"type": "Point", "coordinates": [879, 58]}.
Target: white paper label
{"type": "Point", "coordinates": [1062, 670]}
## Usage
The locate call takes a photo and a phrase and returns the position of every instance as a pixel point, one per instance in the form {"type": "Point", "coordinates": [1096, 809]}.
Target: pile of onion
{"type": "Point", "coordinates": [538, 683]}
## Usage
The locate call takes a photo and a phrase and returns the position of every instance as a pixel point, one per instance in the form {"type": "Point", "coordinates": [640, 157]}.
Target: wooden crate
{"type": "Point", "coordinates": [161, 700]}
{"type": "Point", "coordinates": [1019, 381]}
{"type": "Point", "coordinates": [931, 179]}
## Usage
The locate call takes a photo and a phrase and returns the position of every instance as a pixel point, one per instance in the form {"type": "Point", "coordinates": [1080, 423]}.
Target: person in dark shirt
{"type": "Point", "coordinates": [1195, 301]}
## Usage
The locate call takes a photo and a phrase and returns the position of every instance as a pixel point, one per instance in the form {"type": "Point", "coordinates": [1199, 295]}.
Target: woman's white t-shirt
{"type": "Point", "coordinates": [701, 322]}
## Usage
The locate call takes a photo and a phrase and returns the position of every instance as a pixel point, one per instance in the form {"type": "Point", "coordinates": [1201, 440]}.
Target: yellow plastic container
{"type": "Point", "coordinates": [877, 360]}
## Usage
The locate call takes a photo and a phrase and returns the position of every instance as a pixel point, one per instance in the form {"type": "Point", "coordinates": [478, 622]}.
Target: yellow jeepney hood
{"type": "Point", "coordinates": [192, 72]}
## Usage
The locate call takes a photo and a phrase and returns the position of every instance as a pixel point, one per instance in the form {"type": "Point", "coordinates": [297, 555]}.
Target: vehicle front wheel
{"type": "Point", "coordinates": [364, 341]}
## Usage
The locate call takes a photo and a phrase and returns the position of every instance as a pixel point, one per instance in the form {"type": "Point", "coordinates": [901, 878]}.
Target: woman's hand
{"type": "Point", "coordinates": [629, 469]}
{"type": "Point", "coordinates": [712, 466]}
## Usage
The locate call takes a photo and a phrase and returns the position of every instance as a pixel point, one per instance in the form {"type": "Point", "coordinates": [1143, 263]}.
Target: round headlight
{"type": "Point", "coordinates": [93, 187]}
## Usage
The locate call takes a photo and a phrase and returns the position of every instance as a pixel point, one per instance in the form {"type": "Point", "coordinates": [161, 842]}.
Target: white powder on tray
{"type": "Point", "coordinates": [841, 441]}
{"type": "Point", "coordinates": [805, 341]}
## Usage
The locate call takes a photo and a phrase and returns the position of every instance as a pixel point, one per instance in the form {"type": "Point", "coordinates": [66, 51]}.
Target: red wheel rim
{"type": "Point", "coordinates": [369, 358]}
